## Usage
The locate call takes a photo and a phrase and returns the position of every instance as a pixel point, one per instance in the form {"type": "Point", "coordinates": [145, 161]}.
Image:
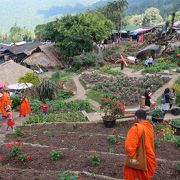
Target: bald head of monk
{"type": "Point", "coordinates": [140, 115]}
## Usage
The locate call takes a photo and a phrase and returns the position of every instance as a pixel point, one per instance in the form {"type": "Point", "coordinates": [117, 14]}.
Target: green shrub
{"type": "Point", "coordinates": [17, 132]}
{"type": "Point", "coordinates": [64, 94]}
{"type": "Point", "coordinates": [55, 154]}
{"type": "Point", "coordinates": [62, 117]}
{"type": "Point", "coordinates": [112, 139]}
{"type": "Point", "coordinates": [61, 76]}
{"type": "Point", "coordinates": [46, 90]}
{"type": "Point", "coordinates": [23, 157]}
{"type": "Point", "coordinates": [87, 60]}
{"type": "Point", "coordinates": [107, 69]}
{"type": "Point", "coordinates": [177, 141]}
{"type": "Point", "coordinates": [67, 175]}
{"type": "Point", "coordinates": [178, 70]}
{"type": "Point", "coordinates": [14, 151]}
{"type": "Point", "coordinates": [15, 101]}
{"type": "Point", "coordinates": [29, 78]}
{"type": "Point", "coordinates": [178, 167]}
{"type": "Point", "coordinates": [35, 105]}
{"type": "Point", "coordinates": [94, 158]}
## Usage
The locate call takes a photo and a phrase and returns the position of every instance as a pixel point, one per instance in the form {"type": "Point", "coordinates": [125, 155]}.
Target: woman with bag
{"type": "Point", "coordinates": [140, 162]}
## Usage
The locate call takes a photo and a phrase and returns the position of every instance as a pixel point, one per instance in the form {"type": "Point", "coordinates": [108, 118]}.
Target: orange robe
{"type": "Point", "coordinates": [24, 108]}
{"type": "Point", "coordinates": [4, 102]}
{"type": "Point", "coordinates": [131, 144]}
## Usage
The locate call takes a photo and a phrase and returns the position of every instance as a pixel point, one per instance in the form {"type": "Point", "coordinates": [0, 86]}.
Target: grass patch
{"type": "Point", "coordinates": [61, 76]}
{"type": "Point", "coordinates": [95, 95]}
{"type": "Point", "coordinates": [108, 70]}
{"type": "Point", "coordinates": [136, 67]}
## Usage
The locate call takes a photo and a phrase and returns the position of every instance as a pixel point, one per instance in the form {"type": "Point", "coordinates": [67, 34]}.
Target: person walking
{"type": "Point", "coordinates": [150, 61]}
{"type": "Point", "coordinates": [10, 121]}
{"type": "Point", "coordinates": [146, 62]}
{"type": "Point", "coordinates": [24, 108]}
{"type": "Point", "coordinates": [165, 100]}
{"type": "Point", "coordinates": [140, 166]}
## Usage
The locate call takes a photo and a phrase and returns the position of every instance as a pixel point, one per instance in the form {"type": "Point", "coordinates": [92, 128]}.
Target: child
{"type": "Point", "coordinates": [44, 108]}
{"type": "Point", "coordinates": [10, 121]}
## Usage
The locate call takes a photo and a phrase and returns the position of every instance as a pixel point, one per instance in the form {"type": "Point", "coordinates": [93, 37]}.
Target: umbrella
{"type": "Point", "coordinates": [19, 86]}
{"type": "Point", "coordinates": [2, 84]}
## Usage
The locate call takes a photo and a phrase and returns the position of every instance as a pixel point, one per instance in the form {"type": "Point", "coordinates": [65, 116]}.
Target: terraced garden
{"type": "Point", "coordinates": [76, 141]}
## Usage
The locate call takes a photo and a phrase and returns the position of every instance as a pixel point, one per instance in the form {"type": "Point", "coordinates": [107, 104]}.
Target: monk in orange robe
{"type": "Point", "coordinates": [4, 102]}
{"type": "Point", "coordinates": [131, 145]}
{"type": "Point", "coordinates": [24, 108]}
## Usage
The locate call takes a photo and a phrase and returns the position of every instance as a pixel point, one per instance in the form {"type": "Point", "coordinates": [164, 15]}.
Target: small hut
{"type": "Point", "coordinates": [10, 72]}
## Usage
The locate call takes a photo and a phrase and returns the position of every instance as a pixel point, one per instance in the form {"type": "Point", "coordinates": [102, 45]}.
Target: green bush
{"type": "Point", "coordinates": [107, 69]}
{"type": "Point", "coordinates": [29, 78]}
{"type": "Point", "coordinates": [35, 105]}
{"type": "Point", "coordinates": [62, 117]}
{"type": "Point", "coordinates": [86, 61]}
{"type": "Point", "coordinates": [18, 132]}
{"type": "Point", "coordinates": [177, 141]}
{"type": "Point", "coordinates": [65, 94]}
{"type": "Point", "coordinates": [178, 70]}
{"type": "Point", "coordinates": [61, 76]}
{"type": "Point", "coordinates": [15, 101]}
{"type": "Point", "coordinates": [55, 154]}
{"type": "Point", "coordinates": [112, 139]}
{"type": "Point", "coordinates": [178, 167]}
{"type": "Point", "coordinates": [67, 175]}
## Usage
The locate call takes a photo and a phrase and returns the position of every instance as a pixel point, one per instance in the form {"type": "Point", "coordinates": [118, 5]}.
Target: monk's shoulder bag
{"type": "Point", "coordinates": [138, 161]}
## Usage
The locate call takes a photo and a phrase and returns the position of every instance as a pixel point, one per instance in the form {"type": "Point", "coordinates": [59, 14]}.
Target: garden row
{"type": "Point", "coordinates": [55, 159]}
{"type": "Point", "coordinates": [127, 89]}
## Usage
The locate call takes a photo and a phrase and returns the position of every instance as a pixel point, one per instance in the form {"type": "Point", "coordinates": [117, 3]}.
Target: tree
{"type": "Point", "coordinates": [152, 17]}
{"type": "Point", "coordinates": [177, 17]}
{"type": "Point", "coordinates": [45, 31]}
{"type": "Point", "coordinates": [115, 12]}
{"type": "Point", "coordinates": [18, 34]}
{"type": "Point", "coordinates": [76, 34]}
{"type": "Point", "coordinates": [136, 19]}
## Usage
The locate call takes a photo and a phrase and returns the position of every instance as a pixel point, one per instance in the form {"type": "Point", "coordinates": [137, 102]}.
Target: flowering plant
{"type": "Point", "coordinates": [112, 107]}
{"type": "Point", "coordinates": [94, 158]}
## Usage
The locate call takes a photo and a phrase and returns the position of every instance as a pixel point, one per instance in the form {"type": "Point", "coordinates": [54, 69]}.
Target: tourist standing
{"type": "Point", "coordinates": [148, 95]}
{"type": "Point", "coordinates": [141, 135]}
{"type": "Point", "coordinates": [165, 100]}
{"type": "Point", "coordinates": [146, 62]}
{"type": "Point", "coordinates": [24, 108]}
{"type": "Point", "coordinates": [150, 61]}
{"type": "Point", "coordinates": [44, 108]}
{"type": "Point", "coordinates": [172, 98]}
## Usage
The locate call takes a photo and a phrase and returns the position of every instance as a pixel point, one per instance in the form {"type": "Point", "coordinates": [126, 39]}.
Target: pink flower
{"type": "Point", "coordinates": [93, 152]}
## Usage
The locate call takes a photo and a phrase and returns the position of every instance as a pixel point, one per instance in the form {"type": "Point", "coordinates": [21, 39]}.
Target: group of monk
{"type": "Point", "coordinates": [5, 105]}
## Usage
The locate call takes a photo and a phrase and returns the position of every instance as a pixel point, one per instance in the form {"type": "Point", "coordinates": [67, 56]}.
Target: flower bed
{"type": "Point", "coordinates": [128, 89]}
{"type": "Point", "coordinates": [111, 165]}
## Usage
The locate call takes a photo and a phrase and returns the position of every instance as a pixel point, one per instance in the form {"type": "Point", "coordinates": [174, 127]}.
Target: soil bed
{"type": "Point", "coordinates": [111, 165]}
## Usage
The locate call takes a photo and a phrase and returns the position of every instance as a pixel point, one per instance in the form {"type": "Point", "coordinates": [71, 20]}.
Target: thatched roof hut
{"type": "Point", "coordinates": [46, 57]}
{"type": "Point", "coordinates": [10, 72]}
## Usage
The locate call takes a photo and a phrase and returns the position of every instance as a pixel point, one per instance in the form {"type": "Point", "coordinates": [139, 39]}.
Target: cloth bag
{"type": "Point", "coordinates": [138, 161]}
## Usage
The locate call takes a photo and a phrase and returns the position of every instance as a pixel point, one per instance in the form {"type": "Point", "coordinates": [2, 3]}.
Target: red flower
{"type": "Point", "coordinates": [1, 158]}
{"type": "Point", "coordinates": [93, 152]}
{"type": "Point", "coordinates": [102, 99]}
{"type": "Point", "coordinates": [28, 157]}
{"type": "Point", "coordinates": [19, 144]}
{"type": "Point", "coordinates": [79, 178]}
{"type": "Point", "coordinates": [158, 135]}
{"type": "Point", "coordinates": [9, 146]}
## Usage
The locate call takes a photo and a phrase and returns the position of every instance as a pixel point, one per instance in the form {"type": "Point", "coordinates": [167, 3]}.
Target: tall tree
{"type": "Point", "coordinates": [76, 34]}
{"type": "Point", "coordinates": [152, 17]}
{"type": "Point", "coordinates": [115, 12]}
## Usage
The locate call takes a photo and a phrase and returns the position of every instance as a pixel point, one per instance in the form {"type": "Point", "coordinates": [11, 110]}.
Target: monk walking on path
{"type": "Point", "coordinates": [141, 133]}
{"type": "Point", "coordinates": [24, 108]}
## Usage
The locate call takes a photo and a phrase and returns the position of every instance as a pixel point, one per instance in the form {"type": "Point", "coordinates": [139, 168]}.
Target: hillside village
{"type": "Point", "coordinates": [91, 93]}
